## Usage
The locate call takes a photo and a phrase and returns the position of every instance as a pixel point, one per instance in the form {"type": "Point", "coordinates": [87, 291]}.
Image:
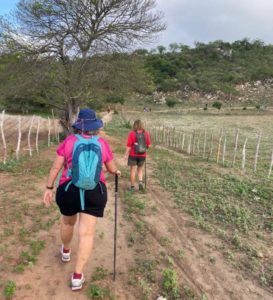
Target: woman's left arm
{"type": "Point", "coordinates": [55, 169]}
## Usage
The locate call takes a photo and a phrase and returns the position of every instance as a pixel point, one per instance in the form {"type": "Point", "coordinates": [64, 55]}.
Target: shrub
{"type": "Point", "coordinates": [115, 99]}
{"type": "Point", "coordinates": [171, 102]}
{"type": "Point", "coordinates": [217, 105]}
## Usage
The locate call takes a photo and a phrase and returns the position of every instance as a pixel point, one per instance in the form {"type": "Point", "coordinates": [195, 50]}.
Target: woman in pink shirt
{"type": "Point", "coordinates": [91, 205]}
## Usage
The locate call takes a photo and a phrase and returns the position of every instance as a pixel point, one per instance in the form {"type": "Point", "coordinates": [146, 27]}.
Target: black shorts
{"type": "Point", "coordinates": [69, 201]}
{"type": "Point", "coordinates": [136, 161]}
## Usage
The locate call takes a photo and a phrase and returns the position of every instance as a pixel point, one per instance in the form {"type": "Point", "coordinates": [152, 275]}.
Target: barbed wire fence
{"type": "Point", "coordinates": [21, 135]}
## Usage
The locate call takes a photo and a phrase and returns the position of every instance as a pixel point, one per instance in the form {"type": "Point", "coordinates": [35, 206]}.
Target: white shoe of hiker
{"type": "Point", "coordinates": [76, 283]}
{"type": "Point", "coordinates": [65, 254]}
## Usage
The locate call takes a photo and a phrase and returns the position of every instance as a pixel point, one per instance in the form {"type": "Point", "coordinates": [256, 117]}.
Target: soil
{"type": "Point", "coordinates": [203, 269]}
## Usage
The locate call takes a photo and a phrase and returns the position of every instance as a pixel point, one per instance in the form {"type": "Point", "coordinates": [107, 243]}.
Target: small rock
{"type": "Point", "coordinates": [260, 255]}
{"type": "Point", "coordinates": [161, 298]}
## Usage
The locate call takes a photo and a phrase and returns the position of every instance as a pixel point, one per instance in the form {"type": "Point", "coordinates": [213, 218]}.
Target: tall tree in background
{"type": "Point", "coordinates": [69, 37]}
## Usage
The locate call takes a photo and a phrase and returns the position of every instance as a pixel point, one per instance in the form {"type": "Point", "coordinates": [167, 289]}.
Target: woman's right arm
{"type": "Point", "coordinates": [55, 169]}
{"type": "Point", "coordinates": [112, 168]}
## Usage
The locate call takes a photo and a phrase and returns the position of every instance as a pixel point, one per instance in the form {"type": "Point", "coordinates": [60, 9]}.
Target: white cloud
{"type": "Point", "coordinates": [209, 20]}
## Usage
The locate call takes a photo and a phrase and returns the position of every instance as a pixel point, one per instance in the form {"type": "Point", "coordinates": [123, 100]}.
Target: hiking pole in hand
{"type": "Point", "coordinates": [116, 222]}
{"type": "Point", "coordinates": [145, 176]}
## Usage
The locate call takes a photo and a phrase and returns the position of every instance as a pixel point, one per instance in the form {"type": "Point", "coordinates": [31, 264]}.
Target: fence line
{"type": "Point", "coordinates": [256, 153]}
{"type": "Point", "coordinates": [19, 134]}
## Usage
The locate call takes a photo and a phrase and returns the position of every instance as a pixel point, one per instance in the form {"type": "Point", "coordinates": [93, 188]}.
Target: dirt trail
{"type": "Point", "coordinates": [203, 269]}
{"type": "Point", "coordinates": [49, 278]}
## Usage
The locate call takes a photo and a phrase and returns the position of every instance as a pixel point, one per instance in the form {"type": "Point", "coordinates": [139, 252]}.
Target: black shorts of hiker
{"type": "Point", "coordinates": [138, 142]}
{"type": "Point", "coordinates": [82, 194]}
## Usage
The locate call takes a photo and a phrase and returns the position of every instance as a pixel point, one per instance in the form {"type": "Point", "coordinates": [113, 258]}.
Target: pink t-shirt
{"type": "Point", "coordinates": [65, 149]}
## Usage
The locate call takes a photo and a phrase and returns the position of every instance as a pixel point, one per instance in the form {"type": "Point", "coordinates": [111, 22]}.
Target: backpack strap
{"type": "Point", "coordinates": [82, 139]}
{"type": "Point", "coordinates": [68, 185]}
{"type": "Point", "coordinates": [82, 194]}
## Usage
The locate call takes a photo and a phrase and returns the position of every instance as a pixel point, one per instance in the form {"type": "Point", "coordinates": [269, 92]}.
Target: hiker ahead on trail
{"type": "Point", "coordinates": [137, 144]}
{"type": "Point", "coordinates": [82, 188]}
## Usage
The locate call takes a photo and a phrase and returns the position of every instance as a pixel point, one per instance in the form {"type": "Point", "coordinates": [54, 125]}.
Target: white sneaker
{"type": "Point", "coordinates": [76, 284]}
{"type": "Point", "coordinates": [65, 256]}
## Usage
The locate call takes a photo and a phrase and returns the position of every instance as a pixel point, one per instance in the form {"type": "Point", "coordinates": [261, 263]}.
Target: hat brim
{"type": "Point", "coordinates": [88, 125]}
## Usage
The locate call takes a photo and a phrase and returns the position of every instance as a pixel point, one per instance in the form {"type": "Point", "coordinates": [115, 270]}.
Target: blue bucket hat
{"type": "Point", "coordinates": [87, 120]}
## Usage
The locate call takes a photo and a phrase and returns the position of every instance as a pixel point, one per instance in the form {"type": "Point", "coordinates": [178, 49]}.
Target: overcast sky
{"type": "Point", "coordinates": [208, 20]}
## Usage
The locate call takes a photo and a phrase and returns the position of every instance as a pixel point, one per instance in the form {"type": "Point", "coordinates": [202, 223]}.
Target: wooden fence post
{"type": "Point", "coordinates": [19, 137]}
{"type": "Point", "coordinates": [244, 155]}
{"type": "Point", "coordinates": [257, 151]}
{"type": "Point", "coordinates": [205, 143]}
{"type": "Point", "coordinates": [37, 134]}
{"type": "Point", "coordinates": [193, 142]}
{"type": "Point", "coordinates": [49, 130]}
{"type": "Point", "coordinates": [3, 136]}
{"type": "Point", "coordinates": [235, 147]}
{"type": "Point", "coordinates": [183, 141]}
{"type": "Point", "coordinates": [189, 145]}
{"type": "Point", "coordinates": [174, 140]}
{"type": "Point", "coordinates": [198, 142]}
{"type": "Point", "coordinates": [219, 146]}
{"type": "Point", "coordinates": [211, 147]}
{"type": "Point", "coordinates": [271, 165]}
{"type": "Point", "coordinates": [29, 135]}
{"type": "Point", "coordinates": [54, 124]}
{"type": "Point", "coordinates": [224, 149]}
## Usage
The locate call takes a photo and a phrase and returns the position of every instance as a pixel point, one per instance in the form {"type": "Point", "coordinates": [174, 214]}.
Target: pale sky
{"type": "Point", "coordinates": [208, 20]}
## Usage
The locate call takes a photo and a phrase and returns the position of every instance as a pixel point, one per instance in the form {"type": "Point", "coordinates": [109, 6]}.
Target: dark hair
{"type": "Point", "coordinates": [78, 131]}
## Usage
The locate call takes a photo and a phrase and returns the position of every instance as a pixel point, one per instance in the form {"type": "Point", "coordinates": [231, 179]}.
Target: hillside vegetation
{"type": "Point", "coordinates": [212, 67]}
{"type": "Point", "coordinates": [229, 70]}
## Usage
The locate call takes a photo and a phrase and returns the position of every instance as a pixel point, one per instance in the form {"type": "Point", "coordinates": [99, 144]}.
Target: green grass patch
{"type": "Point", "coordinates": [96, 292]}
{"type": "Point", "coordinates": [9, 290]}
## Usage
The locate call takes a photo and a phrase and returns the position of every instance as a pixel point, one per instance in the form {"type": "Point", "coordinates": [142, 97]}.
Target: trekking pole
{"type": "Point", "coordinates": [115, 232]}
{"type": "Point", "coordinates": [145, 176]}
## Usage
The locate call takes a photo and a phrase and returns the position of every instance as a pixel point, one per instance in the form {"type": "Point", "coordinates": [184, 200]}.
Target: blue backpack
{"type": "Point", "coordinates": [86, 165]}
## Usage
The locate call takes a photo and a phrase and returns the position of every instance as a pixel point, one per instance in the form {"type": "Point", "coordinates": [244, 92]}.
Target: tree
{"type": "Point", "coordinates": [72, 37]}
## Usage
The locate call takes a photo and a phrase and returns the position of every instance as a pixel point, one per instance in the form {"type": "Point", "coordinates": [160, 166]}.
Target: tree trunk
{"type": "Point", "coordinates": [70, 115]}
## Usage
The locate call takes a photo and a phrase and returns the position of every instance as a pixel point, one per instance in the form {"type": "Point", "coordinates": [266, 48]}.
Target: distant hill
{"type": "Point", "coordinates": [216, 67]}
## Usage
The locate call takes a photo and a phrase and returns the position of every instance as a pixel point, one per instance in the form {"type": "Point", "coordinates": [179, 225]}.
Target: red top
{"type": "Point", "coordinates": [132, 139]}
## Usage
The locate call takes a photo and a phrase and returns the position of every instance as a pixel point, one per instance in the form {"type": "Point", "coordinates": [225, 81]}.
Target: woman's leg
{"type": "Point", "coordinates": [140, 173]}
{"type": "Point", "coordinates": [87, 226]}
{"type": "Point", "coordinates": [67, 226]}
{"type": "Point", "coordinates": [133, 175]}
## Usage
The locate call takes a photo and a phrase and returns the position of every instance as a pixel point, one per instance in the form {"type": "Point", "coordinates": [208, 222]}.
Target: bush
{"type": "Point", "coordinates": [171, 102]}
{"type": "Point", "coordinates": [115, 99]}
{"type": "Point", "coordinates": [244, 108]}
{"type": "Point", "coordinates": [217, 105]}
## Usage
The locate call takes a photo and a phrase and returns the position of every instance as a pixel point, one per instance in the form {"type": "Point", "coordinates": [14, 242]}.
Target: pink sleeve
{"type": "Point", "coordinates": [61, 148]}
{"type": "Point", "coordinates": [107, 154]}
